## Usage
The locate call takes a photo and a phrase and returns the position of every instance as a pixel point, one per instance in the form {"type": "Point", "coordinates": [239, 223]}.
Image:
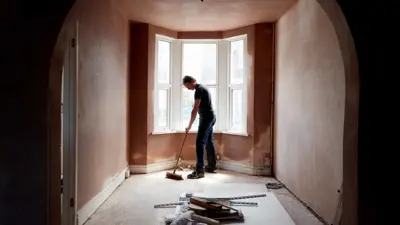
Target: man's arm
{"type": "Point", "coordinates": [193, 114]}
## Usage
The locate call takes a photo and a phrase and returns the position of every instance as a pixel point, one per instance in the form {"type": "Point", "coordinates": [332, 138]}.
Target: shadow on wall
{"type": "Point", "coordinates": [316, 111]}
{"type": "Point", "coordinates": [350, 133]}
{"type": "Point", "coordinates": [103, 53]}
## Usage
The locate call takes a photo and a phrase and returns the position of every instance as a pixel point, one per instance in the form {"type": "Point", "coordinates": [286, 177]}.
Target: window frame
{"type": "Point", "coordinates": [242, 87]}
{"type": "Point", "coordinates": [223, 106]}
{"type": "Point", "coordinates": [162, 86]}
{"type": "Point", "coordinates": [216, 85]}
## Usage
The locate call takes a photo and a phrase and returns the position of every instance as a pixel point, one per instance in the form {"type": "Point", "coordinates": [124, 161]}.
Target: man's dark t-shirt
{"type": "Point", "coordinates": [205, 108]}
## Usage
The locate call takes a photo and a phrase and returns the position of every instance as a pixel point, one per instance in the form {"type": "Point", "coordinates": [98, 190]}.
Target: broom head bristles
{"type": "Point", "coordinates": [173, 176]}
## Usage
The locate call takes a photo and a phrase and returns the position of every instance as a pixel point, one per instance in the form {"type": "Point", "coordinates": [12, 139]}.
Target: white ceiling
{"type": "Point", "coordinates": [210, 15]}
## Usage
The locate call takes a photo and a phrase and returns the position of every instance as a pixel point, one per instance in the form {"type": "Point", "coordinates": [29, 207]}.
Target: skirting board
{"type": "Point", "coordinates": [245, 169]}
{"type": "Point", "coordinates": [192, 162]}
{"type": "Point", "coordinates": [154, 167]}
{"type": "Point", "coordinates": [89, 208]}
{"type": "Point", "coordinates": [237, 167]}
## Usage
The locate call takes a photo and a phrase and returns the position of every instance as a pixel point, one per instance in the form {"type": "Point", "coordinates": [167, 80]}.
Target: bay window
{"type": "Point", "coordinates": [163, 86]}
{"type": "Point", "coordinates": [237, 106]}
{"type": "Point", "coordinates": [199, 60]}
{"type": "Point", "coordinates": [219, 65]}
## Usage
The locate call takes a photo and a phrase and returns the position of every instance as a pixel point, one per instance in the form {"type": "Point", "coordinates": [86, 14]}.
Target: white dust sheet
{"type": "Point", "coordinates": [269, 210]}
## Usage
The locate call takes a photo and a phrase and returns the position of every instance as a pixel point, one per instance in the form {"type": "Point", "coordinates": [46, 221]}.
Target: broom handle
{"type": "Point", "coordinates": [183, 142]}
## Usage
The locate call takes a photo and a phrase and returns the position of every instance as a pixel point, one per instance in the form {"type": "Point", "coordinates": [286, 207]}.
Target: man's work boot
{"type": "Point", "coordinates": [210, 169]}
{"type": "Point", "coordinates": [195, 175]}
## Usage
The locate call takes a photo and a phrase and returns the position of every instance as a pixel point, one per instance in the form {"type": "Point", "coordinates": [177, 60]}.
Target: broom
{"type": "Point", "coordinates": [173, 175]}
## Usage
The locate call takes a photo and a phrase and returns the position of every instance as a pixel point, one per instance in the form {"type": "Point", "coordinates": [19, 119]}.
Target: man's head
{"type": "Point", "coordinates": [189, 82]}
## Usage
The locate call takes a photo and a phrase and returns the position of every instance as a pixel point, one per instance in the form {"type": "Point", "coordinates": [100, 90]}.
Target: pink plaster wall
{"type": "Point", "coordinates": [310, 107]}
{"type": "Point", "coordinates": [102, 98]}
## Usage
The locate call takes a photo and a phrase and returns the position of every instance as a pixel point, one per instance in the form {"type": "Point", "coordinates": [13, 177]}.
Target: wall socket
{"type": "Point", "coordinates": [127, 173]}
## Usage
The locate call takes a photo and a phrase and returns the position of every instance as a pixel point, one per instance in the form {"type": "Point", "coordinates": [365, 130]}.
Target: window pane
{"type": "Point", "coordinates": [163, 61]}
{"type": "Point", "coordinates": [162, 108]}
{"type": "Point", "coordinates": [187, 106]}
{"type": "Point", "coordinates": [200, 62]}
{"type": "Point", "coordinates": [236, 62]}
{"type": "Point", "coordinates": [237, 112]}
{"type": "Point", "coordinates": [213, 92]}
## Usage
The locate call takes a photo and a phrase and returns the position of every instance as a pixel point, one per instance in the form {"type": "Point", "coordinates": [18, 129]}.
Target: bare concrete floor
{"type": "Point", "coordinates": [133, 202]}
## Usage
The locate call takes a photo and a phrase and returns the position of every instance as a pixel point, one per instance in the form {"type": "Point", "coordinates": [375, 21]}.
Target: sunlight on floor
{"type": "Point", "coordinates": [123, 206]}
{"type": "Point", "coordinates": [209, 178]}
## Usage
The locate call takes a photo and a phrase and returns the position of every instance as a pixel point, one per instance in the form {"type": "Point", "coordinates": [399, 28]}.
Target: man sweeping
{"type": "Point", "coordinates": [205, 137]}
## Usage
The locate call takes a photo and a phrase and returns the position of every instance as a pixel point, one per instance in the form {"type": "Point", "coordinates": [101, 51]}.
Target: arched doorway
{"type": "Point", "coordinates": [38, 34]}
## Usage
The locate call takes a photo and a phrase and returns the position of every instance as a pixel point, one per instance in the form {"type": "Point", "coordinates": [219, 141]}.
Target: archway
{"type": "Point", "coordinates": [351, 108]}
{"type": "Point", "coordinates": [55, 184]}
{"type": "Point", "coordinates": [350, 136]}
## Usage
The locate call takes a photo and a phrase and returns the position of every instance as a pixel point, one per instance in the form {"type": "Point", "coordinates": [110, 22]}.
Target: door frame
{"type": "Point", "coordinates": [70, 129]}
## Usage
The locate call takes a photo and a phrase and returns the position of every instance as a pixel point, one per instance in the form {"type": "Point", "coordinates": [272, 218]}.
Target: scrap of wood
{"type": "Point", "coordinates": [230, 214]}
{"type": "Point", "coordinates": [206, 204]}
{"type": "Point", "coordinates": [213, 205]}
{"type": "Point", "coordinates": [224, 202]}
{"type": "Point", "coordinates": [220, 213]}
{"type": "Point", "coordinates": [196, 207]}
{"type": "Point", "coordinates": [234, 216]}
{"type": "Point", "coordinates": [226, 206]}
{"type": "Point", "coordinates": [203, 219]}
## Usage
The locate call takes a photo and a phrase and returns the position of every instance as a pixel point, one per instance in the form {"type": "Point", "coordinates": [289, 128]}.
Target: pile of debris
{"type": "Point", "coordinates": [200, 210]}
{"type": "Point", "coordinates": [216, 210]}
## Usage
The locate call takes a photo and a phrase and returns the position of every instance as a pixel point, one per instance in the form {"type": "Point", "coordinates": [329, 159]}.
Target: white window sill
{"type": "Point", "coordinates": [163, 132]}
{"type": "Point", "coordinates": [195, 131]}
{"type": "Point", "coordinates": [235, 133]}
{"type": "Point", "coordinates": [190, 132]}
{"type": "Point", "coordinates": [172, 132]}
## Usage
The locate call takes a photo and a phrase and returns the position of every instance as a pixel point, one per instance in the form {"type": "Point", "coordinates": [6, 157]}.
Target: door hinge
{"type": "Point", "coordinates": [73, 42]}
{"type": "Point", "coordinates": [71, 202]}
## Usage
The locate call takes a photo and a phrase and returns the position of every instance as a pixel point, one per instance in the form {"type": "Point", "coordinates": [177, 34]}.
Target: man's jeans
{"type": "Point", "coordinates": [205, 139]}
